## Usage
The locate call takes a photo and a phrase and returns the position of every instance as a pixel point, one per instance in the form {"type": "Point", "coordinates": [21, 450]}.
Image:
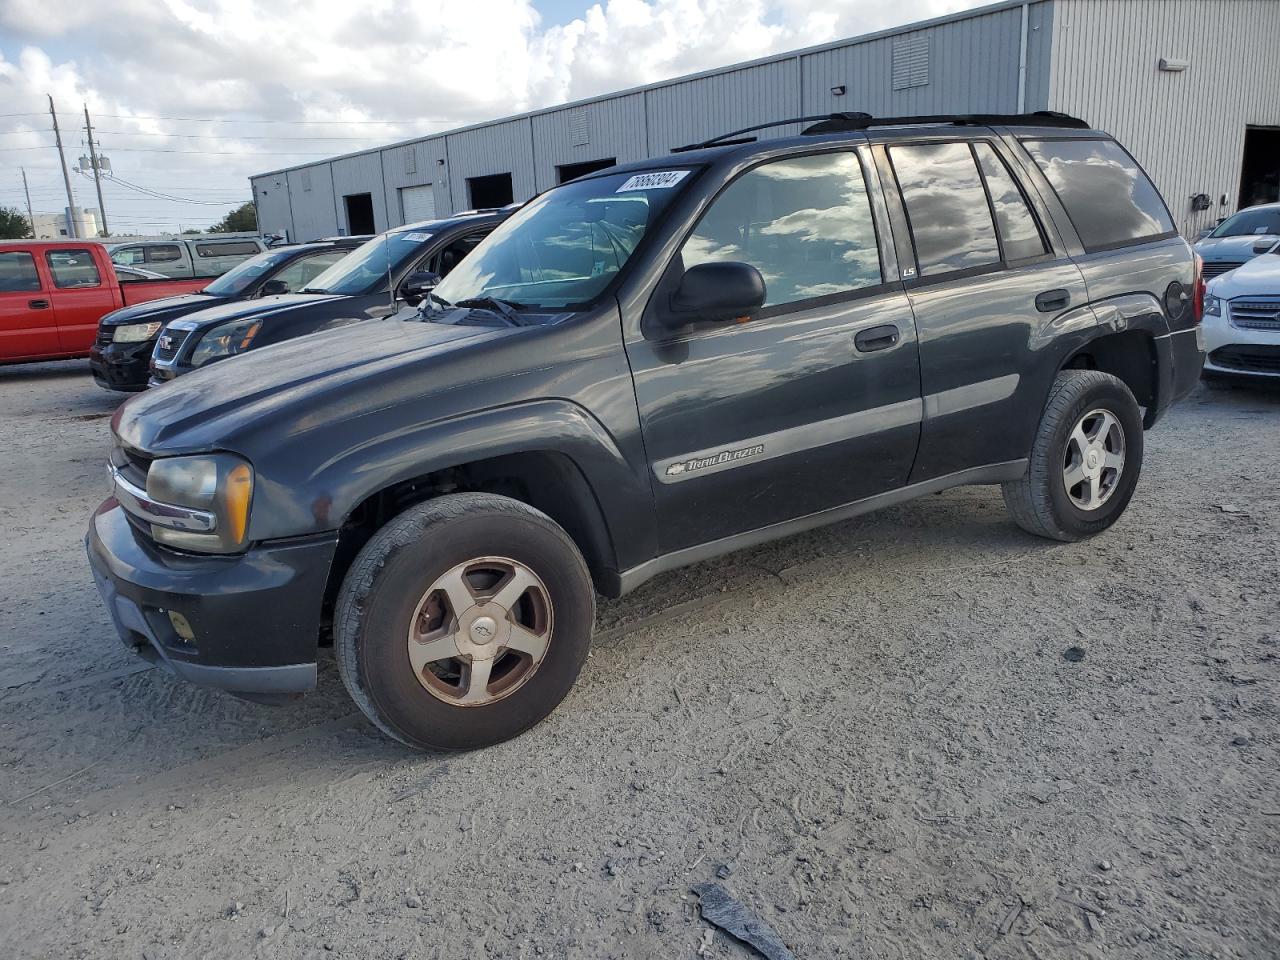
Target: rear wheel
{"type": "Point", "coordinates": [1085, 460]}
{"type": "Point", "coordinates": [464, 621]}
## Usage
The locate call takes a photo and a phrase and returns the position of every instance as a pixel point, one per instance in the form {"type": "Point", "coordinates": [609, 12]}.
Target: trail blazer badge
{"type": "Point", "coordinates": [715, 460]}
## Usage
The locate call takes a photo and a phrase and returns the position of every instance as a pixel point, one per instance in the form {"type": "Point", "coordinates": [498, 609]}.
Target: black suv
{"type": "Point", "coordinates": [641, 369]}
{"type": "Point", "coordinates": [121, 355]}
{"type": "Point", "coordinates": [392, 269]}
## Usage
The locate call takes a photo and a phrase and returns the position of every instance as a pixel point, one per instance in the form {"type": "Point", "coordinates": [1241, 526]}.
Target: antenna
{"type": "Point", "coordinates": [391, 287]}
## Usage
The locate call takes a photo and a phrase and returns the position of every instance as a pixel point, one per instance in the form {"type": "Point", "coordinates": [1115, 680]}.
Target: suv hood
{"type": "Point", "coordinates": [296, 385]}
{"type": "Point", "coordinates": [165, 309]}
{"type": "Point", "coordinates": [1231, 248]}
{"type": "Point", "coordinates": [264, 307]}
{"type": "Point", "coordinates": [1259, 277]}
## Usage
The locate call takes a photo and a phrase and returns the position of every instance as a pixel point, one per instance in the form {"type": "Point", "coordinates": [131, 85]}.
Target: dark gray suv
{"type": "Point", "coordinates": [644, 368]}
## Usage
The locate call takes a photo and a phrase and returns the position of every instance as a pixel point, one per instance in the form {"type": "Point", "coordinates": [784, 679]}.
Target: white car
{"type": "Point", "coordinates": [1242, 322]}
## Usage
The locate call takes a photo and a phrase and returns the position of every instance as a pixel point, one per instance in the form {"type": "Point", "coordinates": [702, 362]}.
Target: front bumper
{"type": "Point", "coordinates": [255, 618]}
{"type": "Point", "coordinates": [1240, 352]}
{"type": "Point", "coordinates": [121, 366]}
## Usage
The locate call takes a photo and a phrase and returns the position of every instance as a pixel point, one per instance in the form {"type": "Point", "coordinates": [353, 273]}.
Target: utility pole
{"type": "Point", "coordinates": [97, 180]}
{"type": "Point", "coordinates": [31, 217]}
{"type": "Point", "coordinates": [66, 177]}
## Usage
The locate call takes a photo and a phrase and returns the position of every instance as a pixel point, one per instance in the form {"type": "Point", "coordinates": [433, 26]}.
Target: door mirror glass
{"type": "Point", "coordinates": [1262, 246]}
{"type": "Point", "coordinates": [720, 291]}
{"type": "Point", "coordinates": [274, 288]}
{"type": "Point", "coordinates": [417, 285]}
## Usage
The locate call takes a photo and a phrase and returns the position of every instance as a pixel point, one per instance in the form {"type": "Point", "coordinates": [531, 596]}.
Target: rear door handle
{"type": "Point", "coordinates": [876, 338]}
{"type": "Point", "coordinates": [1052, 300]}
{"type": "Point", "coordinates": [38, 304]}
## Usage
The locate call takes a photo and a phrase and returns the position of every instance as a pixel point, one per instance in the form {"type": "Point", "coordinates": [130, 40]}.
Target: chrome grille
{"type": "Point", "coordinates": [1255, 314]}
{"type": "Point", "coordinates": [1216, 268]}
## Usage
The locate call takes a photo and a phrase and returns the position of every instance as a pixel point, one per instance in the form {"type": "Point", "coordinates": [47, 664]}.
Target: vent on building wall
{"type": "Point", "coordinates": [411, 161]}
{"type": "Point", "coordinates": [306, 179]}
{"type": "Point", "coordinates": [579, 134]}
{"type": "Point", "coordinates": [910, 62]}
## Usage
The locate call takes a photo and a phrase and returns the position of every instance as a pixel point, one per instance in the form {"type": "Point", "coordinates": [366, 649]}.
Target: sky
{"type": "Point", "coordinates": [189, 98]}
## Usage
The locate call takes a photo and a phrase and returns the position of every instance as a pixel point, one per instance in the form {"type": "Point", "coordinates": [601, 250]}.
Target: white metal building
{"type": "Point", "coordinates": [1191, 87]}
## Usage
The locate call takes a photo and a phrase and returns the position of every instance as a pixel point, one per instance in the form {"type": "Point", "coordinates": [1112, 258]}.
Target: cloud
{"type": "Point", "coordinates": [426, 64]}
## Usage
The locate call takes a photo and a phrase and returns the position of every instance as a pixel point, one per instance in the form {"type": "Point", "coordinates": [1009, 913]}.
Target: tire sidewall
{"type": "Point", "coordinates": [410, 568]}
{"type": "Point", "coordinates": [1116, 399]}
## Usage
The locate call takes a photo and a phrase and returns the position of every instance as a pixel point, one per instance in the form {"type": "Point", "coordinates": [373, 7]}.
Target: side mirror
{"type": "Point", "coordinates": [1262, 246]}
{"type": "Point", "coordinates": [729, 290]}
{"type": "Point", "coordinates": [417, 285]}
{"type": "Point", "coordinates": [274, 288]}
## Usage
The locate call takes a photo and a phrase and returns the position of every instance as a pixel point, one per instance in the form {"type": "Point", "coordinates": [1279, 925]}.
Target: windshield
{"type": "Point", "coordinates": [364, 270]}
{"type": "Point", "coordinates": [244, 275]}
{"type": "Point", "coordinates": [566, 246]}
{"type": "Point", "coordinates": [1265, 222]}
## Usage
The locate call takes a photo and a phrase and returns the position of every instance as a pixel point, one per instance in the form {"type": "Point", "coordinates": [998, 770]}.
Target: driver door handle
{"type": "Point", "coordinates": [38, 304]}
{"type": "Point", "coordinates": [1052, 300]}
{"type": "Point", "coordinates": [876, 338]}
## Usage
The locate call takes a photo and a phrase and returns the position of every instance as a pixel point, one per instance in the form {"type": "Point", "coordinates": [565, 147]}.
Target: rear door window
{"type": "Point", "coordinates": [1109, 199]}
{"type": "Point", "coordinates": [1019, 233]}
{"type": "Point", "coordinates": [804, 223]}
{"type": "Point", "coordinates": [73, 268]}
{"type": "Point", "coordinates": [235, 248]}
{"type": "Point", "coordinates": [164, 253]}
{"type": "Point", "coordinates": [946, 207]}
{"type": "Point", "coordinates": [18, 273]}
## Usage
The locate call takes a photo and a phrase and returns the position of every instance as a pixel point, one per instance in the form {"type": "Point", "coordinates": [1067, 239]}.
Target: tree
{"type": "Point", "coordinates": [13, 225]}
{"type": "Point", "coordinates": [243, 218]}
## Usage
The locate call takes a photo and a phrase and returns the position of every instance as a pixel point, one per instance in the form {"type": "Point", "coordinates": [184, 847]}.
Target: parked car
{"type": "Point", "coordinates": [1239, 238]}
{"type": "Point", "coordinates": [53, 292]}
{"type": "Point", "coordinates": [355, 288]}
{"type": "Point", "coordinates": [641, 369]}
{"type": "Point", "coordinates": [1242, 323]}
{"type": "Point", "coordinates": [210, 257]}
{"type": "Point", "coordinates": [120, 358]}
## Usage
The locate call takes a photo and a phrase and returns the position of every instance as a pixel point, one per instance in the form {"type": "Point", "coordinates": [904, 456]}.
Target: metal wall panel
{"type": "Point", "coordinates": [505, 147]}
{"type": "Point", "coordinates": [694, 110]}
{"type": "Point", "coordinates": [611, 128]}
{"type": "Point", "coordinates": [271, 198]}
{"type": "Point", "coordinates": [1187, 129]}
{"type": "Point", "coordinates": [314, 212]}
{"type": "Point", "coordinates": [361, 173]}
{"type": "Point", "coordinates": [414, 165]}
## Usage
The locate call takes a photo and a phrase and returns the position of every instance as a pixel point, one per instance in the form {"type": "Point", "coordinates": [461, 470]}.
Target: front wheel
{"type": "Point", "coordinates": [463, 622]}
{"type": "Point", "coordinates": [1084, 462]}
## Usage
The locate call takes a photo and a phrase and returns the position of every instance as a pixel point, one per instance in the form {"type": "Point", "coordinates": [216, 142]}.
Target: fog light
{"type": "Point", "coordinates": [181, 627]}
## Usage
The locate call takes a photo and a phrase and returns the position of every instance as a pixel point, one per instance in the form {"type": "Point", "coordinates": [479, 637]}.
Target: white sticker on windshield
{"type": "Point", "coordinates": [413, 237]}
{"type": "Point", "coordinates": [660, 180]}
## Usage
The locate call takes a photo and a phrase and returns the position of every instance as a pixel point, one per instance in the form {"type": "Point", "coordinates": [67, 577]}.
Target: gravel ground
{"type": "Point", "coordinates": [881, 736]}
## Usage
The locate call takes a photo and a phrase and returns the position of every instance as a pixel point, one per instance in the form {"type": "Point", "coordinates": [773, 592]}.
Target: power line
{"type": "Point", "coordinates": [187, 136]}
{"type": "Point", "coordinates": [200, 153]}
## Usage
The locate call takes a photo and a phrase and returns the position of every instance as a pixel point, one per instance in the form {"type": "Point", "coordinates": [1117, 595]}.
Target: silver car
{"type": "Point", "coordinates": [1242, 322]}
{"type": "Point", "coordinates": [1239, 238]}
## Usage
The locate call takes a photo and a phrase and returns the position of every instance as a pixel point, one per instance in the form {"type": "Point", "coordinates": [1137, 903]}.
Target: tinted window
{"type": "Point", "coordinates": [1018, 230]}
{"type": "Point", "coordinates": [164, 253]}
{"type": "Point", "coordinates": [72, 268]}
{"type": "Point", "coordinates": [946, 206]}
{"type": "Point", "coordinates": [1110, 201]}
{"type": "Point", "coordinates": [18, 273]}
{"type": "Point", "coordinates": [1262, 222]}
{"type": "Point", "coordinates": [230, 249]}
{"type": "Point", "coordinates": [301, 273]}
{"type": "Point", "coordinates": [805, 224]}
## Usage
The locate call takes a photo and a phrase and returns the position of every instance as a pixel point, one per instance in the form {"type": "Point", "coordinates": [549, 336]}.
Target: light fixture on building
{"type": "Point", "coordinates": [1173, 65]}
{"type": "Point", "coordinates": [838, 91]}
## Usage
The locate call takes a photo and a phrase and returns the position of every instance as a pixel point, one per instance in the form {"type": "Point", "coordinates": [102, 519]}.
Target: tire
{"type": "Point", "coordinates": [390, 590]}
{"type": "Point", "coordinates": [1042, 502]}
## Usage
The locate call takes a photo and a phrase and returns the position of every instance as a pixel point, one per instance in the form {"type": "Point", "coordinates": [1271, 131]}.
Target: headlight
{"type": "Point", "coordinates": [219, 483]}
{"type": "Point", "coordinates": [135, 332]}
{"type": "Point", "coordinates": [1212, 306]}
{"type": "Point", "coordinates": [225, 340]}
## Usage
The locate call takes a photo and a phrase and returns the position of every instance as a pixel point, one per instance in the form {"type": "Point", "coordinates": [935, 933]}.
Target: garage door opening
{"type": "Point", "coordinates": [491, 191]}
{"type": "Point", "coordinates": [1260, 171]}
{"type": "Point", "coordinates": [359, 213]}
{"type": "Point", "coordinates": [572, 171]}
{"type": "Point", "coordinates": [417, 204]}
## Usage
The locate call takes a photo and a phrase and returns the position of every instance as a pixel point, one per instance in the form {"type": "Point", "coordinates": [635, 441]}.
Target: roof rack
{"type": "Point", "coordinates": [846, 122]}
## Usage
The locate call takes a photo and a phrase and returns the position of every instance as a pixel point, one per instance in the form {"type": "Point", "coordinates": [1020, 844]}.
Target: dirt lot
{"type": "Point", "coordinates": [870, 734]}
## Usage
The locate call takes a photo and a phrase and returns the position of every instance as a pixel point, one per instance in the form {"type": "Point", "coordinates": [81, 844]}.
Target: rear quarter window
{"type": "Point", "coordinates": [232, 249]}
{"type": "Point", "coordinates": [1109, 199]}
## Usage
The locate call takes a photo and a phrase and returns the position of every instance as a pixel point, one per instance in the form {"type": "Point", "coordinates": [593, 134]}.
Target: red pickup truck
{"type": "Point", "coordinates": [53, 292]}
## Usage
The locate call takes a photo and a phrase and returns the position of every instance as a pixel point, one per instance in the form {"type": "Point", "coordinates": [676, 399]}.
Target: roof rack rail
{"type": "Point", "coordinates": [846, 122]}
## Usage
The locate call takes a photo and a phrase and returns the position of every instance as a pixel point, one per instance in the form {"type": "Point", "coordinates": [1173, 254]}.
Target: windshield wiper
{"type": "Point", "coordinates": [505, 308]}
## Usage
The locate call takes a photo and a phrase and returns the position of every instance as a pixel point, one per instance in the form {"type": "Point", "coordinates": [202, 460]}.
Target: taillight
{"type": "Point", "coordinates": [1197, 297]}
